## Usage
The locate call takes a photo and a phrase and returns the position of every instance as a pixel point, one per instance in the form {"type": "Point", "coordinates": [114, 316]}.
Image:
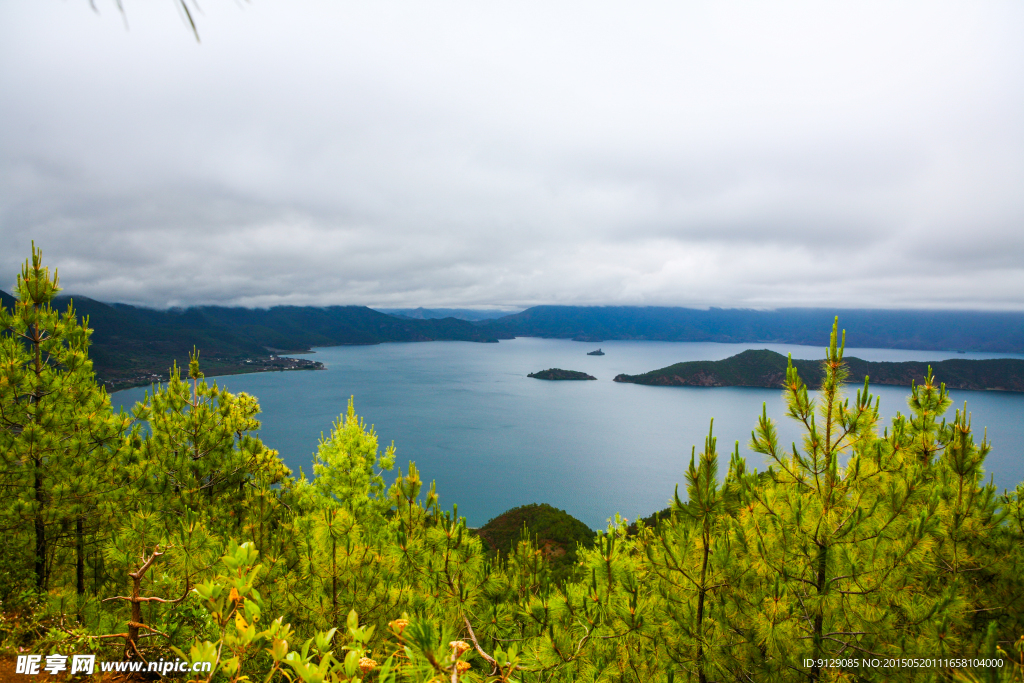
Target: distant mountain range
{"type": "Point", "coordinates": [133, 345]}
{"type": "Point", "coordinates": [926, 330]}
{"type": "Point", "coordinates": [766, 368]}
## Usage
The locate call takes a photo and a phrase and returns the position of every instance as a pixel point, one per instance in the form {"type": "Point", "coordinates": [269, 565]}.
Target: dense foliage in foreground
{"type": "Point", "coordinates": [175, 530]}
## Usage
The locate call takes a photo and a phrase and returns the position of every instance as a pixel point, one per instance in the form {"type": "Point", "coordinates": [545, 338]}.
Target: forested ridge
{"type": "Point", "coordinates": [175, 531]}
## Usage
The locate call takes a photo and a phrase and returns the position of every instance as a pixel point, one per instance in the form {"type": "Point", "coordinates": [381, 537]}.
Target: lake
{"type": "Point", "coordinates": [493, 439]}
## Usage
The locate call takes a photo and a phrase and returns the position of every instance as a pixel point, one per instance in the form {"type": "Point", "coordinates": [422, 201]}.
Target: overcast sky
{"type": "Point", "coordinates": [506, 154]}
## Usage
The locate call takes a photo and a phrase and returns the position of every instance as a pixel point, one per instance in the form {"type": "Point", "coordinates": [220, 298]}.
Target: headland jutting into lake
{"type": "Point", "coordinates": [767, 369]}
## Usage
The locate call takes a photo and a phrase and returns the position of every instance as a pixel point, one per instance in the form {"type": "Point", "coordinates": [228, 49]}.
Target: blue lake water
{"type": "Point", "coordinates": [493, 439]}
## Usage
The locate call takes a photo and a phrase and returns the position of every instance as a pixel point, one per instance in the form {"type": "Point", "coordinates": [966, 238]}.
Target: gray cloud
{"type": "Point", "coordinates": [459, 154]}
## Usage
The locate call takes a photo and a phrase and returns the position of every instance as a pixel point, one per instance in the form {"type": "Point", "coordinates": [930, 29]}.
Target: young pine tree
{"type": "Point", "coordinates": [201, 473]}
{"type": "Point", "coordinates": [837, 533]}
{"type": "Point", "coordinates": [690, 559]}
{"type": "Point", "coordinates": [348, 469]}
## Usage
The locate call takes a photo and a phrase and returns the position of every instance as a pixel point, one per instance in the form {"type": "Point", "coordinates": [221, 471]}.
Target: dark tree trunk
{"type": "Point", "coordinates": [80, 556]}
{"type": "Point", "coordinates": [701, 593]}
{"type": "Point", "coordinates": [334, 569]}
{"type": "Point", "coordinates": [819, 619]}
{"type": "Point", "coordinates": [40, 527]}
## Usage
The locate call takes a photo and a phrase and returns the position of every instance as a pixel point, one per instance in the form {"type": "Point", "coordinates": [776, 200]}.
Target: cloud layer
{"type": "Point", "coordinates": [511, 154]}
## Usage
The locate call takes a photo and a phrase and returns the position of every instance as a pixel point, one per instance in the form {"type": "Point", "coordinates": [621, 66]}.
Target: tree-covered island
{"type": "Point", "coordinates": [558, 373]}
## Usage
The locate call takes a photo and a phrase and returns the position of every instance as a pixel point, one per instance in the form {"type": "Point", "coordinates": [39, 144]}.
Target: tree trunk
{"type": "Point", "coordinates": [701, 675]}
{"type": "Point", "coordinates": [819, 619]}
{"type": "Point", "coordinates": [132, 645]}
{"type": "Point", "coordinates": [334, 568]}
{"type": "Point", "coordinates": [40, 527]}
{"type": "Point", "coordinates": [80, 556]}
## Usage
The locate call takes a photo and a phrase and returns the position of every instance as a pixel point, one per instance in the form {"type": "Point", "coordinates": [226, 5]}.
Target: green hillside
{"type": "Point", "coordinates": [556, 533]}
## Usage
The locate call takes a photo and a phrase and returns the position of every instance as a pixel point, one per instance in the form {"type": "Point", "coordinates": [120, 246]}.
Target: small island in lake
{"type": "Point", "coordinates": [599, 352]}
{"type": "Point", "coordinates": [768, 369]}
{"type": "Point", "coordinates": [559, 373]}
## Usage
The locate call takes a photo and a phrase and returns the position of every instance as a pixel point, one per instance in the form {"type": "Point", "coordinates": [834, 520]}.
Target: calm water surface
{"type": "Point", "coordinates": [493, 439]}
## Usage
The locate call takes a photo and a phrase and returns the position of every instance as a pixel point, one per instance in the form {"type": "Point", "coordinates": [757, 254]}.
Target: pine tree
{"type": "Point", "coordinates": [200, 453]}
{"type": "Point", "coordinates": [201, 474]}
{"type": "Point", "coordinates": [345, 470]}
{"type": "Point", "coordinates": [59, 439]}
{"type": "Point", "coordinates": [837, 531]}
{"type": "Point", "coordinates": [689, 556]}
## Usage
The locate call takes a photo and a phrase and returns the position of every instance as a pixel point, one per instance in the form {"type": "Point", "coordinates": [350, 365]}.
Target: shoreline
{"type": "Point", "coordinates": [246, 366]}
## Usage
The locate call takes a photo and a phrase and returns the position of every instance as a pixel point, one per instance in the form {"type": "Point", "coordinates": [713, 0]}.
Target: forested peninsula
{"type": "Point", "coordinates": [767, 369]}
{"type": "Point", "coordinates": [131, 345]}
